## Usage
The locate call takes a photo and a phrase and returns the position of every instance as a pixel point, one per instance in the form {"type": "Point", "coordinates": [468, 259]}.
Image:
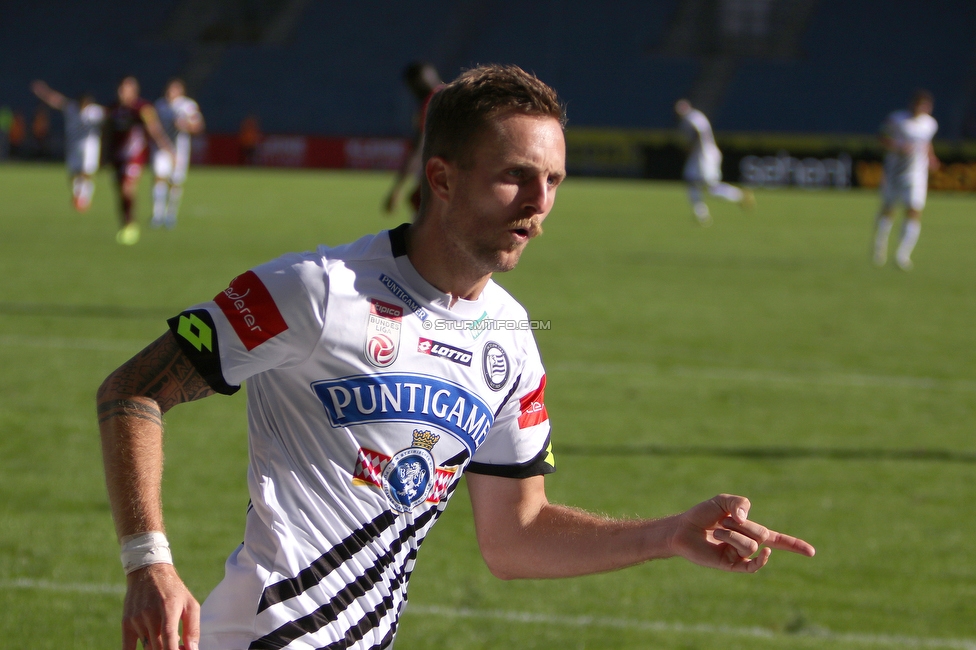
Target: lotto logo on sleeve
{"type": "Point", "coordinates": [251, 310]}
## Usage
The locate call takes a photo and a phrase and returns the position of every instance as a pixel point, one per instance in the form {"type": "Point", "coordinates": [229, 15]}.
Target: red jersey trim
{"type": "Point", "coordinates": [532, 407]}
{"type": "Point", "coordinates": [251, 310]}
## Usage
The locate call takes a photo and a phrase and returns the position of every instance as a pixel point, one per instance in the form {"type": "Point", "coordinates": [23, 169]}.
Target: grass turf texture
{"type": "Point", "coordinates": [763, 356]}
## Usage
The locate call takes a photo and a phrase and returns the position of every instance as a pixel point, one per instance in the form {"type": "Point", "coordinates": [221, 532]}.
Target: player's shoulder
{"type": "Point", "coordinates": [366, 248]}
{"type": "Point", "coordinates": [901, 115]}
{"type": "Point", "coordinates": [186, 105]}
{"type": "Point", "coordinates": [697, 118]}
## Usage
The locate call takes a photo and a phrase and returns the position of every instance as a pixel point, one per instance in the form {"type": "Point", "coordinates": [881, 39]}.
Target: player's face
{"type": "Point", "coordinates": [174, 90]}
{"type": "Point", "coordinates": [128, 91]}
{"type": "Point", "coordinates": [923, 106]}
{"type": "Point", "coordinates": [503, 196]}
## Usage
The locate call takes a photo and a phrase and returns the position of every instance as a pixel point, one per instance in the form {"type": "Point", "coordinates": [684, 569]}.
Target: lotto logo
{"type": "Point", "coordinates": [444, 351]}
{"type": "Point", "coordinates": [381, 350]}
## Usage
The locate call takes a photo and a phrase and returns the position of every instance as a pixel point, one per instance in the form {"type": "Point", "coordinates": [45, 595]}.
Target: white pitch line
{"type": "Point", "coordinates": [578, 621]}
{"type": "Point", "coordinates": [98, 345]}
{"type": "Point", "coordinates": [819, 634]}
{"type": "Point", "coordinates": [74, 587]}
{"type": "Point", "coordinates": [852, 380]}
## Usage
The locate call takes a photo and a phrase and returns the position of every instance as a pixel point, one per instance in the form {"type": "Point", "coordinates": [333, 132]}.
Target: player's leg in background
{"type": "Point", "coordinates": [882, 228]}
{"type": "Point", "coordinates": [181, 164]}
{"type": "Point", "coordinates": [915, 196]}
{"type": "Point", "coordinates": [85, 192]}
{"type": "Point", "coordinates": [726, 191]}
{"type": "Point", "coordinates": [909, 237]}
{"type": "Point", "coordinates": [882, 223]}
{"type": "Point", "coordinates": [744, 197]}
{"type": "Point", "coordinates": [74, 156]}
{"type": "Point", "coordinates": [163, 171]}
{"type": "Point", "coordinates": [696, 195]}
{"type": "Point", "coordinates": [127, 174]}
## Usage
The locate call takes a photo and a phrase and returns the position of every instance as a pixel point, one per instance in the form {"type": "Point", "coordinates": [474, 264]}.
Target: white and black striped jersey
{"type": "Point", "coordinates": [82, 123]}
{"type": "Point", "coordinates": [704, 158]}
{"type": "Point", "coordinates": [171, 113]}
{"type": "Point", "coordinates": [912, 135]}
{"type": "Point", "coordinates": [368, 396]}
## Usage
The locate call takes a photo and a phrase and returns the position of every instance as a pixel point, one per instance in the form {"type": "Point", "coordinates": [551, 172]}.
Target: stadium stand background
{"type": "Point", "coordinates": [333, 68]}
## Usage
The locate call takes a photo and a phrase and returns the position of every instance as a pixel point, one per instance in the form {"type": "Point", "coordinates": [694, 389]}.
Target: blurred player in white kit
{"type": "Point", "coordinates": [181, 119]}
{"type": "Point", "coordinates": [82, 139]}
{"type": "Point", "coordinates": [703, 169]}
{"type": "Point", "coordinates": [907, 137]}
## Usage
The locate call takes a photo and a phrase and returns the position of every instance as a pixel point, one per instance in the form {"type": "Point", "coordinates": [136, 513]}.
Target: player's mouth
{"type": "Point", "coordinates": [523, 232]}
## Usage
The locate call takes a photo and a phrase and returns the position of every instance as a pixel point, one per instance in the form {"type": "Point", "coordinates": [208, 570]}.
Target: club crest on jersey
{"type": "Point", "coordinates": [408, 478]}
{"type": "Point", "coordinates": [382, 333]}
{"type": "Point", "coordinates": [494, 364]}
{"type": "Point", "coordinates": [444, 351]}
{"type": "Point", "coordinates": [371, 467]}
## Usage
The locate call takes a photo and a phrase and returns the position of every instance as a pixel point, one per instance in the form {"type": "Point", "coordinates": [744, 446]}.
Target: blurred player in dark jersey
{"type": "Point", "coordinates": [423, 80]}
{"type": "Point", "coordinates": [128, 123]}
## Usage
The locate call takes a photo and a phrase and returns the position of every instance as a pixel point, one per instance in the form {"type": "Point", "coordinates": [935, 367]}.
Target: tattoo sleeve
{"type": "Point", "coordinates": [160, 372]}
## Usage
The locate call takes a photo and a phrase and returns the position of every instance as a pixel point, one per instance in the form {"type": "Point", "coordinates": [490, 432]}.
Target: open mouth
{"type": "Point", "coordinates": [521, 232]}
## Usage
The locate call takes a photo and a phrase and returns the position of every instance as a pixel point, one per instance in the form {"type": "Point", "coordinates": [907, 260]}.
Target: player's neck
{"type": "Point", "coordinates": [439, 262]}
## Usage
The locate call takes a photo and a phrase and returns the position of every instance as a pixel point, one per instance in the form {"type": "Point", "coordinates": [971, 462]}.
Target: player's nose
{"type": "Point", "coordinates": [537, 194]}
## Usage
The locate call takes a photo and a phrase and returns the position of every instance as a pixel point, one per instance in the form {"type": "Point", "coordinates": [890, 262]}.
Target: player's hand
{"type": "Point", "coordinates": [389, 206]}
{"type": "Point", "coordinates": [156, 602]}
{"type": "Point", "coordinates": [718, 534]}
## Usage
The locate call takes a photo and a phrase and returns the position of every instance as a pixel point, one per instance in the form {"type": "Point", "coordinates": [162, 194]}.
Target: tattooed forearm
{"type": "Point", "coordinates": [161, 372]}
{"type": "Point", "coordinates": [129, 408]}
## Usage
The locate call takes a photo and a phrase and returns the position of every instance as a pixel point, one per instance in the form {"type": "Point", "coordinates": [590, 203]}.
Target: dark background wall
{"type": "Point", "coordinates": [333, 68]}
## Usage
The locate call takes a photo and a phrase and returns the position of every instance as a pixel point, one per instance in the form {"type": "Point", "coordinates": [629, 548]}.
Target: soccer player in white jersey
{"type": "Point", "coordinates": [181, 119]}
{"type": "Point", "coordinates": [703, 168]}
{"type": "Point", "coordinates": [907, 138]}
{"type": "Point", "coordinates": [373, 385]}
{"type": "Point", "coordinates": [82, 140]}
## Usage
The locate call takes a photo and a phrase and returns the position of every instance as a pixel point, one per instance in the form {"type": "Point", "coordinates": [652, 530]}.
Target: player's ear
{"type": "Point", "coordinates": [440, 176]}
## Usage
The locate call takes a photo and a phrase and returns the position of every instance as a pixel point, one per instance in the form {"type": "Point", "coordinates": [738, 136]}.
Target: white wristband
{"type": "Point", "coordinates": [144, 549]}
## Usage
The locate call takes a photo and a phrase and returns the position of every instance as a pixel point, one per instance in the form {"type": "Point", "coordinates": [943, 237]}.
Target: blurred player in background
{"type": "Point", "coordinates": [907, 137]}
{"type": "Point", "coordinates": [703, 169]}
{"type": "Point", "coordinates": [180, 118]}
{"type": "Point", "coordinates": [423, 80]}
{"type": "Point", "coordinates": [82, 139]}
{"type": "Point", "coordinates": [130, 120]}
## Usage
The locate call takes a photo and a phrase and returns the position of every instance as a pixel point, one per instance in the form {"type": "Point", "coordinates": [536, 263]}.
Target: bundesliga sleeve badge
{"type": "Point", "coordinates": [383, 333]}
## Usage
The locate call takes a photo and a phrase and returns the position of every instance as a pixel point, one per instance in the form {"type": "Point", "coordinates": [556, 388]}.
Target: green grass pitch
{"type": "Point", "coordinates": [763, 356]}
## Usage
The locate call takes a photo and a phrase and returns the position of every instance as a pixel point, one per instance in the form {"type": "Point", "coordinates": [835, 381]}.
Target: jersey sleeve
{"type": "Point", "coordinates": [269, 317]}
{"type": "Point", "coordinates": [518, 444]}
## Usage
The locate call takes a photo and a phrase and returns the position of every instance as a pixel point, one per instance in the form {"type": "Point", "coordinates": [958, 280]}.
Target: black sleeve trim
{"type": "Point", "coordinates": [398, 240]}
{"type": "Point", "coordinates": [195, 332]}
{"type": "Point", "coordinates": [538, 466]}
